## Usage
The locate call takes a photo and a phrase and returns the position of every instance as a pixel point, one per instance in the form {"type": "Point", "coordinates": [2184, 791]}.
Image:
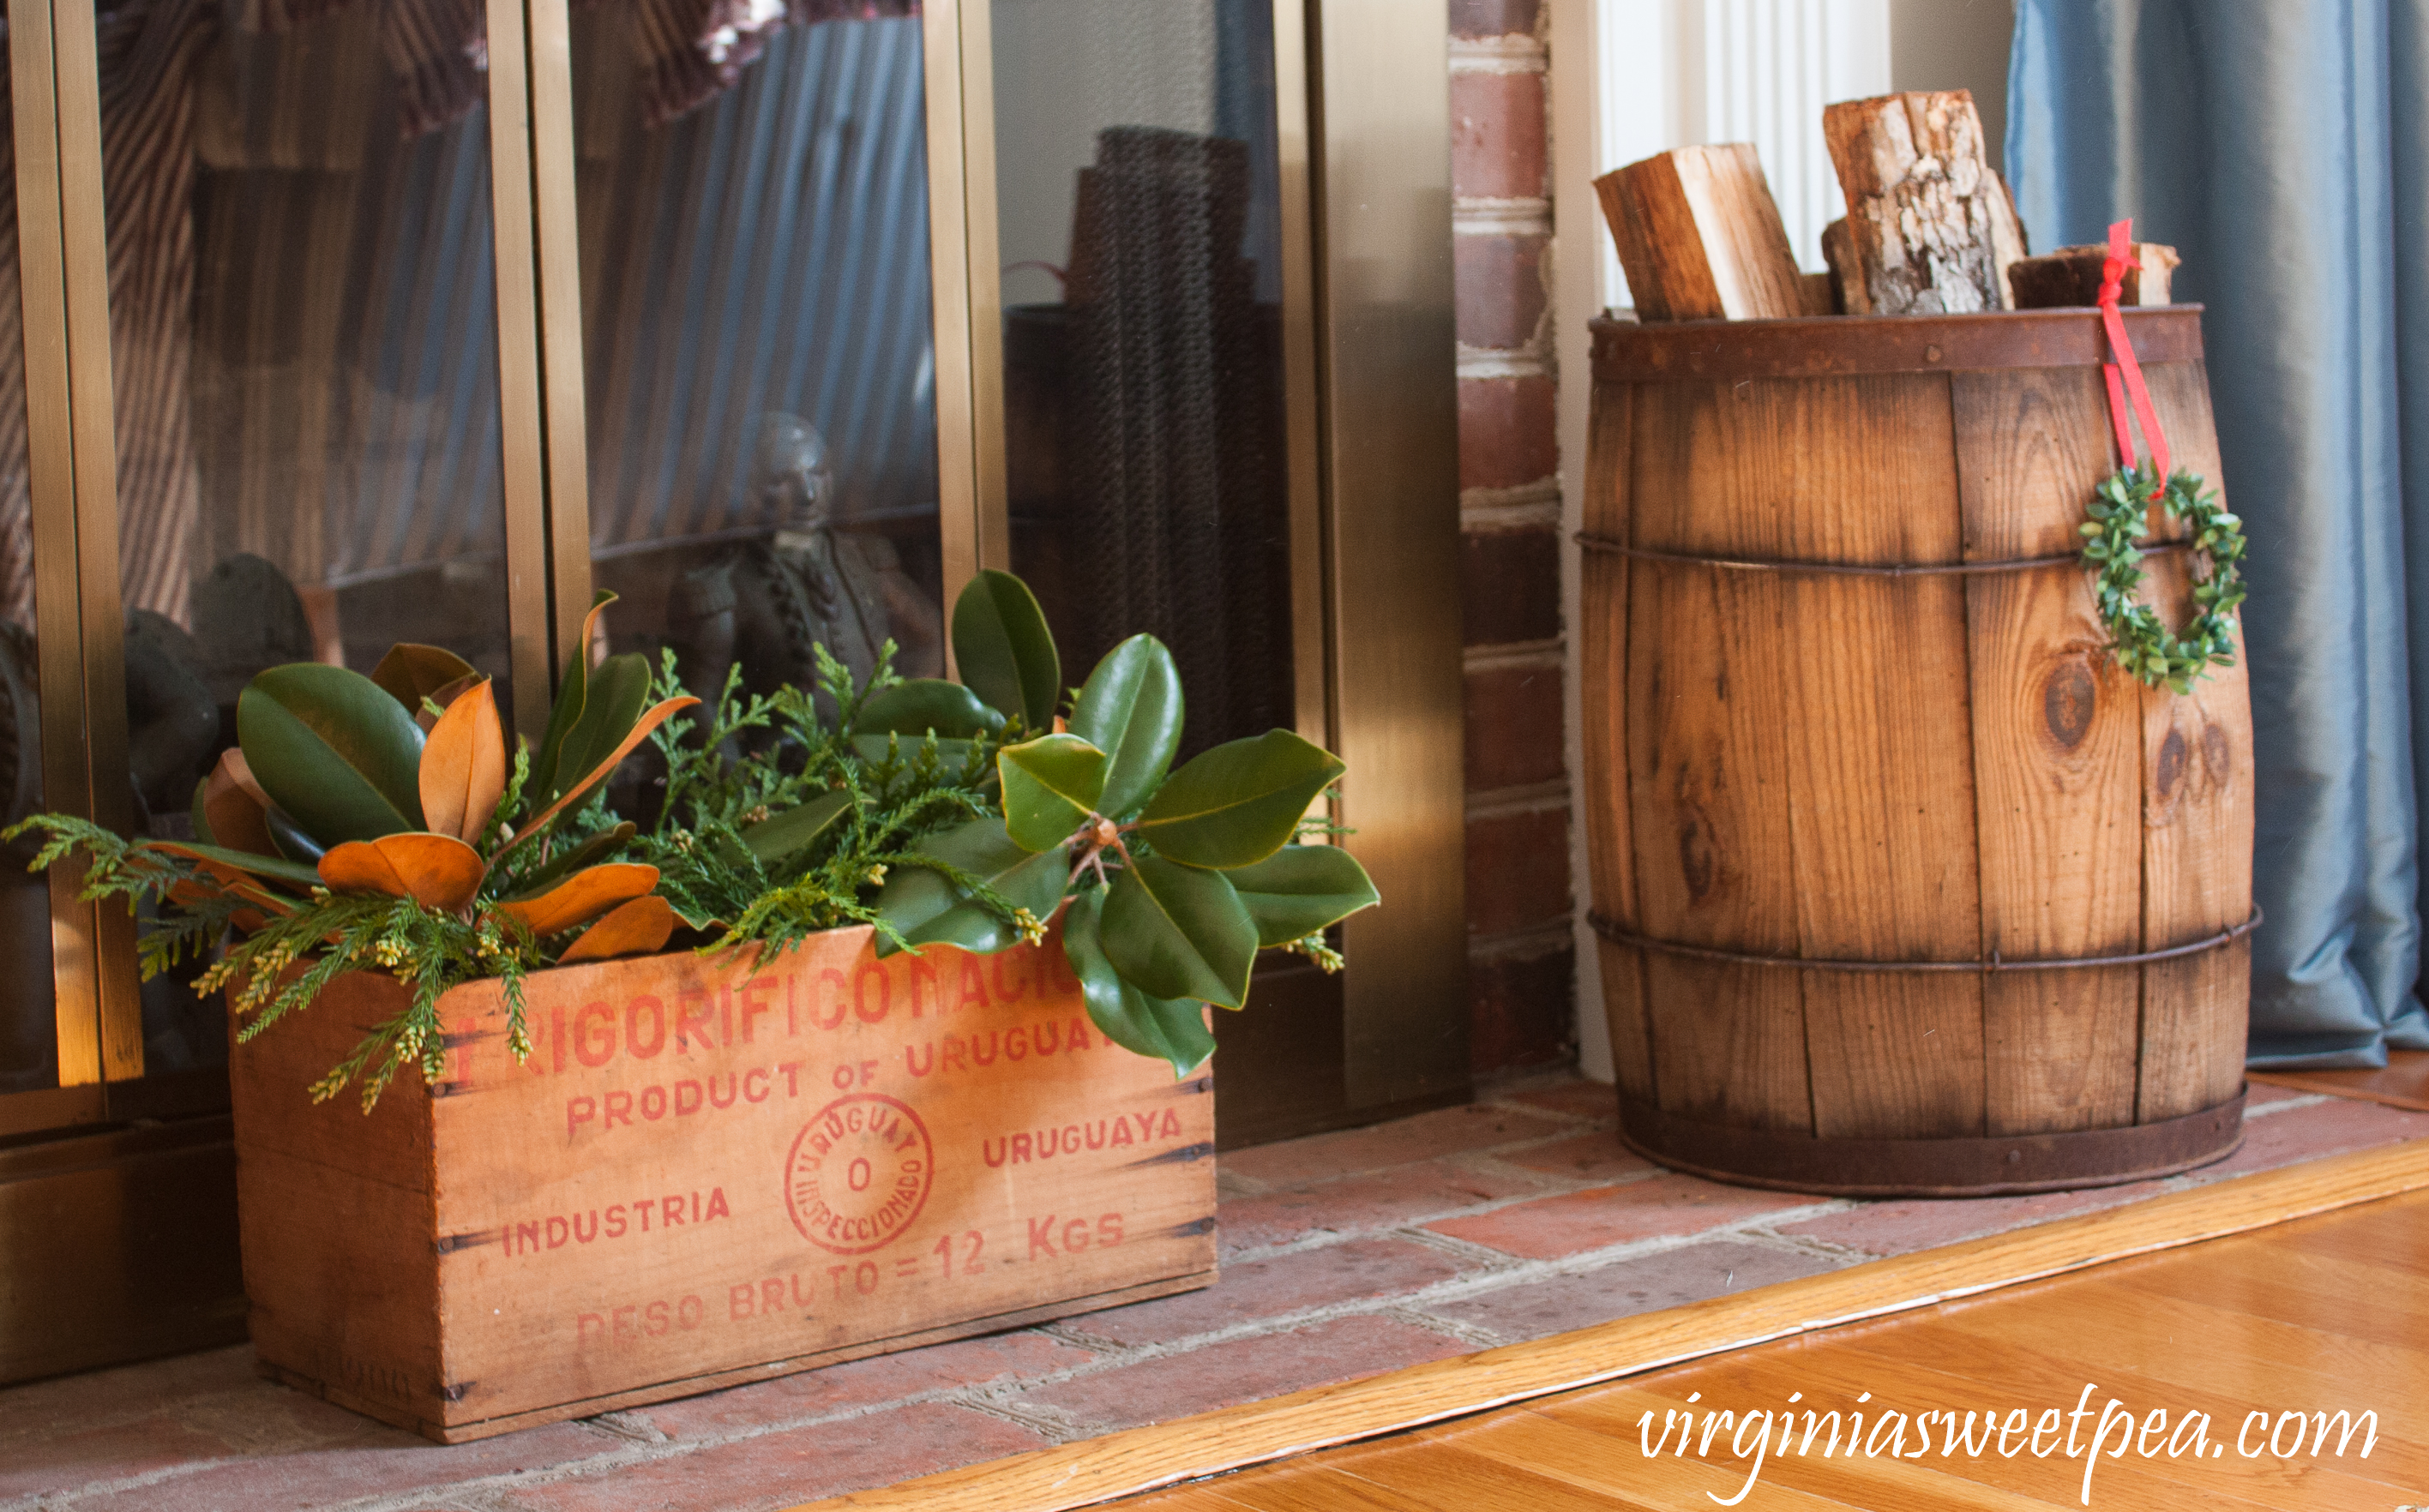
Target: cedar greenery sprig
{"type": "Point", "coordinates": [2140, 641]}
{"type": "Point", "coordinates": [777, 824]}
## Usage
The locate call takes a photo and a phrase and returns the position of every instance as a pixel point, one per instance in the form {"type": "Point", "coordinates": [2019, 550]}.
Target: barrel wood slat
{"type": "Point", "coordinates": [1603, 631]}
{"type": "Point", "coordinates": [1879, 793]}
{"type": "Point", "coordinates": [2058, 735]}
{"type": "Point", "coordinates": [1927, 767]}
{"type": "Point", "coordinates": [2197, 820]}
{"type": "Point", "coordinates": [1708, 755]}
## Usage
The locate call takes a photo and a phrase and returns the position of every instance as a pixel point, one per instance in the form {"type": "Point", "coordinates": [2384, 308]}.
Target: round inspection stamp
{"type": "Point", "coordinates": [858, 1174]}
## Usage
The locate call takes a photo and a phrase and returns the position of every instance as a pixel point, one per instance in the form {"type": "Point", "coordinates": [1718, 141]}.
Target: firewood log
{"type": "Point", "coordinates": [2071, 275]}
{"type": "Point", "coordinates": [1930, 228]}
{"type": "Point", "coordinates": [1701, 237]}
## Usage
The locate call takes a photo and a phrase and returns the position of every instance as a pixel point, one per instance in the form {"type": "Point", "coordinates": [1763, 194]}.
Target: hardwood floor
{"type": "Point", "coordinates": [2404, 1082]}
{"type": "Point", "coordinates": [2312, 1318]}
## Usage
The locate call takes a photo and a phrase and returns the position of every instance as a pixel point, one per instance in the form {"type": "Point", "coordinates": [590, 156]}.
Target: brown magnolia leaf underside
{"type": "Point", "coordinates": [436, 871]}
{"type": "Point", "coordinates": [637, 927]}
{"type": "Point", "coordinates": [463, 770]}
{"type": "Point", "coordinates": [583, 896]}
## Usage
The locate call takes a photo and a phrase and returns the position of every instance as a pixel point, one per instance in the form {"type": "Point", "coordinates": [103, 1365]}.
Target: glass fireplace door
{"type": "Point", "coordinates": [304, 363]}
{"type": "Point", "coordinates": [758, 366]}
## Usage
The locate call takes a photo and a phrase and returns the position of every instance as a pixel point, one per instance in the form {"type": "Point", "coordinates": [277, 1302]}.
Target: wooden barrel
{"type": "Point", "coordinates": [1901, 887]}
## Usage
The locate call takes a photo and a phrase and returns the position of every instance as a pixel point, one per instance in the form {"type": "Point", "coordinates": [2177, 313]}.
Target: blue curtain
{"type": "Point", "coordinates": [2282, 146]}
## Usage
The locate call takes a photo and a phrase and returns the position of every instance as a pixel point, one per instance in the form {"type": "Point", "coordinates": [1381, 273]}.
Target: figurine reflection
{"type": "Point", "coordinates": [768, 601]}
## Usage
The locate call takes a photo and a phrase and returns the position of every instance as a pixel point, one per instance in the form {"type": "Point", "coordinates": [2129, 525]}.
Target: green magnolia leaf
{"type": "Point", "coordinates": [572, 696]}
{"type": "Point", "coordinates": [297, 874]}
{"type": "Point", "coordinates": [1300, 889]}
{"type": "Point", "coordinates": [925, 703]}
{"type": "Point", "coordinates": [1237, 803]}
{"type": "Point", "coordinates": [930, 909]}
{"type": "Point", "coordinates": [786, 833]}
{"type": "Point", "coordinates": [1003, 650]}
{"type": "Point", "coordinates": [334, 749]}
{"type": "Point", "coordinates": [289, 838]}
{"type": "Point", "coordinates": [1168, 1030]}
{"type": "Point", "coordinates": [1050, 785]}
{"type": "Point", "coordinates": [1129, 709]}
{"type": "Point", "coordinates": [1177, 931]}
{"type": "Point", "coordinates": [613, 701]}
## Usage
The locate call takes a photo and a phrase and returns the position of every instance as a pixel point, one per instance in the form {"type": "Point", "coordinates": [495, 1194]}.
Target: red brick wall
{"type": "Point", "coordinates": [1522, 963]}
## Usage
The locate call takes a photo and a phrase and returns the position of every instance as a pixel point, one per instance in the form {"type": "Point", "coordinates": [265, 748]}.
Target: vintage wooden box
{"type": "Point", "coordinates": [708, 1171]}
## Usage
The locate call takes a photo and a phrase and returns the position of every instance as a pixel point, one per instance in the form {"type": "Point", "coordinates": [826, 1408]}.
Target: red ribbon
{"type": "Point", "coordinates": [2112, 286]}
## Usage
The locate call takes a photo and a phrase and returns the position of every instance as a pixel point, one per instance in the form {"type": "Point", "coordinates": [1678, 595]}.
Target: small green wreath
{"type": "Point", "coordinates": [2121, 511]}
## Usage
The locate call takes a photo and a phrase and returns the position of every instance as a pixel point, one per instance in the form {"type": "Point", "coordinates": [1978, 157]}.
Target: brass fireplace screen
{"type": "Point", "coordinates": [331, 323]}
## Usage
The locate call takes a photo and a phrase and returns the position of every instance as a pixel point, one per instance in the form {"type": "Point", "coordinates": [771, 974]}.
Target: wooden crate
{"type": "Point", "coordinates": [707, 1173]}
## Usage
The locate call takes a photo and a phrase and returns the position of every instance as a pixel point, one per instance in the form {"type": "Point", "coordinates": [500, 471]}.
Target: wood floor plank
{"type": "Point", "coordinates": [2404, 1082]}
{"type": "Point", "coordinates": [1307, 1489]}
{"type": "Point", "coordinates": [1449, 1478]}
{"type": "Point", "coordinates": [2396, 1240]}
{"type": "Point", "coordinates": [1618, 1472]}
{"type": "Point", "coordinates": [1943, 1481]}
{"type": "Point", "coordinates": [2016, 1363]}
{"type": "Point", "coordinates": [2280, 1288]}
{"type": "Point", "coordinates": [1875, 1485]}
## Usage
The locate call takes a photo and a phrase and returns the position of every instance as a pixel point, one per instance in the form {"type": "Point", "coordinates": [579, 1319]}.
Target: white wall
{"type": "Point", "coordinates": [1634, 77]}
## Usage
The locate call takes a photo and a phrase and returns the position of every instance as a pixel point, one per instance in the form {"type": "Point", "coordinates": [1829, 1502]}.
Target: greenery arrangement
{"type": "Point", "coordinates": [379, 824]}
{"type": "Point", "coordinates": [2119, 523]}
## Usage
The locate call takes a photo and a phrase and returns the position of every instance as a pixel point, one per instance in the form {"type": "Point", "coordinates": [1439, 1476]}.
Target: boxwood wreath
{"type": "Point", "coordinates": [378, 823]}
{"type": "Point", "coordinates": [2120, 521]}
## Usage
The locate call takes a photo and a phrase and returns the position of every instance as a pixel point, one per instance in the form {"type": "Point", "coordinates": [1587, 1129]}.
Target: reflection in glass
{"type": "Point", "coordinates": [753, 204]}
{"type": "Point", "coordinates": [28, 1025]}
{"type": "Point", "coordinates": [302, 325]}
{"type": "Point", "coordinates": [1138, 178]}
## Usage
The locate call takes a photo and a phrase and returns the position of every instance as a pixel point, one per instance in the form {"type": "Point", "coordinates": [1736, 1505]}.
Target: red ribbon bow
{"type": "Point", "coordinates": [2112, 286]}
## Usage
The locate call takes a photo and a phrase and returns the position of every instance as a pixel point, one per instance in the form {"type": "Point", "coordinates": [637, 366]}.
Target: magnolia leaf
{"type": "Point", "coordinates": [931, 909]}
{"type": "Point", "coordinates": [633, 737]}
{"type": "Point", "coordinates": [1300, 889]}
{"type": "Point", "coordinates": [293, 874]}
{"type": "Point", "coordinates": [566, 862]}
{"type": "Point", "coordinates": [792, 831]}
{"type": "Point", "coordinates": [921, 704]}
{"type": "Point", "coordinates": [436, 871]}
{"type": "Point", "coordinates": [640, 927]}
{"type": "Point", "coordinates": [617, 692]}
{"type": "Point", "coordinates": [410, 673]}
{"type": "Point", "coordinates": [288, 838]}
{"type": "Point", "coordinates": [1130, 708]}
{"type": "Point", "coordinates": [572, 696]}
{"type": "Point", "coordinates": [582, 896]}
{"type": "Point", "coordinates": [445, 699]}
{"type": "Point", "coordinates": [1171, 1031]}
{"type": "Point", "coordinates": [1177, 931]}
{"type": "Point", "coordinates": [1050, 785]}
{"type": "Point", "coordinates": [334, 751]}
{"type": "Point", "coordinates": [1238, 803]}
{"type": "Point", "coordinates": [230, 810]}
{"type": "Point", "coordinates": [464, 766]}
{"type": "Point", "coordinates": [1003, 650]}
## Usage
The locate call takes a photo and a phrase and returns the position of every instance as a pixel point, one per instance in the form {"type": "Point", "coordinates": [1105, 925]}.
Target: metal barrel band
{"type": "Point", "coordinates": [2026, 564]}
{"type": "Point", "coordinates": [1616, 935]}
